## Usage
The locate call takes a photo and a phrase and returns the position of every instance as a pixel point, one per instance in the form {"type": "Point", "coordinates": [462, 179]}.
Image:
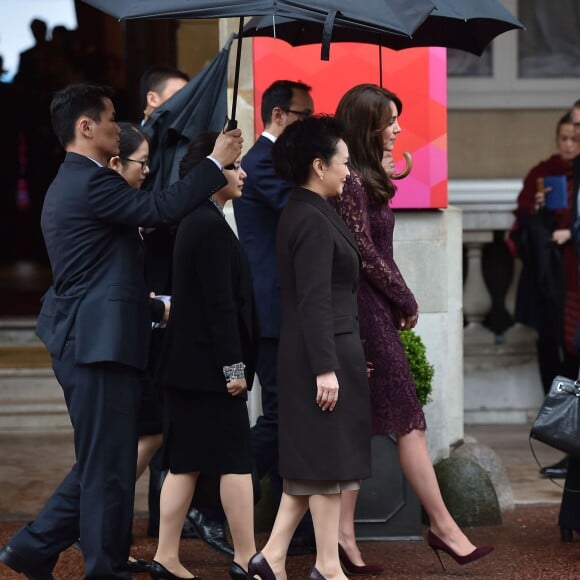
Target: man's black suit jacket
{"type": "Point", "coordinates": [90, 225]}
{"type": "Point", "coordinates": [257, 213]}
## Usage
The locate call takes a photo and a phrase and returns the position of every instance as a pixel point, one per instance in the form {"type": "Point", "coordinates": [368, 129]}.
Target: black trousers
{"type": "Point", "coordinates": [570, 507]}
{"type": "Point", "coordinates": [94, 502]}
{"type": "Point", "coordinates": [265, 431]}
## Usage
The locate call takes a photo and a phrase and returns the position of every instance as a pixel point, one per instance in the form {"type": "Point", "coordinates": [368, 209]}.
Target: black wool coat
{"type": "Point", "coordinates": [319, 264]}
{"type": "Point", "coordinates": [213, 320]}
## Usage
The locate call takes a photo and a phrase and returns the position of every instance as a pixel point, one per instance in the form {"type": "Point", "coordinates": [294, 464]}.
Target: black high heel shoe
{"type": "Point", "coordinates": [259, 565]}
{"type": "Point", "coordinates": [351, 569]}
{"type": "Point", "coordinates": [315, 575]}
{"type": "Point", "coordinates": [237, 572]}
{"type": "Point", "coordinates": [436, 544]}
{"type": "Point", "coordinates": [158, 571]}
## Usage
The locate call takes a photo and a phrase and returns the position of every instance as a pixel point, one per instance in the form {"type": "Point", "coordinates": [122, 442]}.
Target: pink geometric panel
{"type": "Point", "coordinates": [417, 75]}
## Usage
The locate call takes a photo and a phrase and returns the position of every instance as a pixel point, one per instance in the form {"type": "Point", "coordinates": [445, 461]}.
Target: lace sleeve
{"type": "Point", "coordinates": [353, 207]}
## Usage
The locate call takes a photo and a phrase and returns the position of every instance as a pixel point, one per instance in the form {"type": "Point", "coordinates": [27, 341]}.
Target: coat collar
{"type": "Point", "coordinates": [308, 196]}
{"type": "Point", "coordinates": [78, 158]}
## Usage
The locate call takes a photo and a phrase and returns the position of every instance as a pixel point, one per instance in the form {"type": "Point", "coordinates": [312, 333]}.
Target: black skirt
{"type": "Point", "coordinates": [206, 432]}
{"type": "Point", "coordinates": [150, 414]}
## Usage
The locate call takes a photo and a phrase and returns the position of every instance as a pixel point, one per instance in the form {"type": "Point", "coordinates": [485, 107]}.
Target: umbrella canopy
{"type": "Point", "coordinates": [396, 16]}
{"type": "Point", "coordinates": [468, 25]}
{"type": "Point", "coordinates": [199, 106]}
{"type": "Point", "coordinates": [400, 16]}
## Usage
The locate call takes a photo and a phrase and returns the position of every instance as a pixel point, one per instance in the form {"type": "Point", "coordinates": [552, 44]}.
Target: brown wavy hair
{"type": "Point", "coordinates": [365, 111]}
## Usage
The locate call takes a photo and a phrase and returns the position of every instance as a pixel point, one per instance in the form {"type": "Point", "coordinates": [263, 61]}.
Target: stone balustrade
{"type": "Point", "coordinates": [501, 378]}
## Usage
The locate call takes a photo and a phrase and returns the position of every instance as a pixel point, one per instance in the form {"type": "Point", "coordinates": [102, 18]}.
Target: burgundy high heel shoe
{"type": "Point", "coordinates": [259, 565]}
{"type": "Point", "coordinates": [351, 569]}
{"type": "Point", "coordinates": [437, 544]}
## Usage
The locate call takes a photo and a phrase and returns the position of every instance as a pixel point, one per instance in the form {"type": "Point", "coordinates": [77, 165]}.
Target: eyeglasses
{"type": "Point", "coordinates": [144, 164]}
{"type": "Point", "coordinates": [301, 114]}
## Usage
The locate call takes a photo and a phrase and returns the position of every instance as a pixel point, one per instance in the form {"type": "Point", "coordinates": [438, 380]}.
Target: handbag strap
{"type": "Point", "coordinates": [563, 487]}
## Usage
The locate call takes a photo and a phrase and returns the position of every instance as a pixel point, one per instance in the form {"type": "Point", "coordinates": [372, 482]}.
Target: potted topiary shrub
{"type": "Point", "coordinates": [422, 370]}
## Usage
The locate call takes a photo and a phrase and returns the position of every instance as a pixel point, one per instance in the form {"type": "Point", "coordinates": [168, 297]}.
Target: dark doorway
{"type": "Point", "coordinates": [102, 50]}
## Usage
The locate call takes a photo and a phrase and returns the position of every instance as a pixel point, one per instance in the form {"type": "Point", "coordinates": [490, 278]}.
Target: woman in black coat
{"type": "Point", "coordinates": [205, 369]}
{"type": "Point", "coordinates": [323, 393]}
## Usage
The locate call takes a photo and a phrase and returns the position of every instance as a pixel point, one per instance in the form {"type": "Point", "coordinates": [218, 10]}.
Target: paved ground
{"type": "Point", "coordinates": [527, 548]}
{"type": "Point", "coordinates": [527, 544]}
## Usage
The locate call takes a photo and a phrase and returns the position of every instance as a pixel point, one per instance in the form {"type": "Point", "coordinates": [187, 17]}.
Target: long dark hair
{"type": "Point", "coordinates": [365, 111]}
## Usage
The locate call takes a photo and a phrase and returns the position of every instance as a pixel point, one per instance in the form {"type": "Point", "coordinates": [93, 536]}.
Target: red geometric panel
{"type": "Point", "coordinates": [417, 75]}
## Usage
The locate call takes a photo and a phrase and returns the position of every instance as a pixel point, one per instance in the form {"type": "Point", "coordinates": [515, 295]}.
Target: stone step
{"type": "Point", "coordinates": [30, 396]}
{"type": "Point", "coordinates": [31, 399]}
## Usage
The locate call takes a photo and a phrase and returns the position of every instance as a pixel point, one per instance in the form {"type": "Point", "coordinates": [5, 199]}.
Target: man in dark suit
{"type": "Point", "coordinates": [257, 213]}
{"type": "Point", "coordinates": [95, 321]}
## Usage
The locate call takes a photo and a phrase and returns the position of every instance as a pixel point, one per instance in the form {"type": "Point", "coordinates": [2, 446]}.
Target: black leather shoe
{"type": "Point", "coordinates": [212, 532]}
{"type": "Point", "coordinates": [557, 471]}
{"type": "Point", "coordinates": [12, 560]}
{"type": "Point", "coordinates": [158, 571]}
{"type": "Point", "coordinates": [237, 572]}
{"type": "Point", "coordinates": [136, 566]}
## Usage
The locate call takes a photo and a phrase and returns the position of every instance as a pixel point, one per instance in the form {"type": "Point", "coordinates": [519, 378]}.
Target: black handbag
{"type": "Point", "coordinates": [558, 421]}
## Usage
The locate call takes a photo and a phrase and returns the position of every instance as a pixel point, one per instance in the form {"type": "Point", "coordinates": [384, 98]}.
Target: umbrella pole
{"type": "Point", "coordinates": [232, 124]}
{"type": "Point", "coordinates": [380, 66]}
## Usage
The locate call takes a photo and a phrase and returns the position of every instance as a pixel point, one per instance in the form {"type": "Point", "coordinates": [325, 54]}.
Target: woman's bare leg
{"type": "Point", "coordinates": [418, 470]}
{"type": "Point", "coordinates": [147, 447]}
{"type": "Point", "coordinates": [176, 495]}
{"type": "Point", "coordinates": [291, 511]}
{"type": "Point", "coordinates": [325, 510]}
{"type": "Point", "coordinates": [346, 533]}
{"type": "Point", "coordinates": [237, 497]}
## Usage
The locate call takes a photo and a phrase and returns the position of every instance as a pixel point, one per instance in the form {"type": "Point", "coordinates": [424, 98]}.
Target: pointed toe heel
{"type": "Point", "coordinates": [315, 575]}
{"type": "Point", "coordinates": [258, 566]}
{"type": "Point", "coordinates": [351, 569]}
{"type": "Point", "coordinates": [437, 545]}
{"type": "Point", "coordinates": [237, 572]}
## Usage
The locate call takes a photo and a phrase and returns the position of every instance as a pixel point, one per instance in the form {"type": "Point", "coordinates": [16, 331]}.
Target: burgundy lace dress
{"type": "Point", "coordinates": [383, 296]}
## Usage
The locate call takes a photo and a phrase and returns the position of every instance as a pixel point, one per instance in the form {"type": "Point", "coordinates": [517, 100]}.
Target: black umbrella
{"type": "Point", "coordinates": [468, 25]}
{"type": "Point", "coordinates": [201, 105]}
{"type": "Point", "coordinates": [396, 16]}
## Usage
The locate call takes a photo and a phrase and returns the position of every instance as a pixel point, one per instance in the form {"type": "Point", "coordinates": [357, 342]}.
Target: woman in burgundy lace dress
{"type": "Point", "coordinates": [386, 305]}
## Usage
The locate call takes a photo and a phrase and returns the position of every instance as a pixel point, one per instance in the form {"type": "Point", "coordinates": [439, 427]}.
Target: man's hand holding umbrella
{"type": "Point", "coordinates": [228, 147]}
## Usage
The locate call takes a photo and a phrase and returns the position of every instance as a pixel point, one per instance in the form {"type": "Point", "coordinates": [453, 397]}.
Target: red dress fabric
{"type": "Point", "coordinates": [382, 298]}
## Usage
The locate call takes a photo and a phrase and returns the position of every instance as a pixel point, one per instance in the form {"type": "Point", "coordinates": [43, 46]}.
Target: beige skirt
{"type": "Point", "coordinates": [309, 487]}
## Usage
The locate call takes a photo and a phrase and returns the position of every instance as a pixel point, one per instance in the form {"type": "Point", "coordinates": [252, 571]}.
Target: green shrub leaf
{"type": "Point", "coordinates": [421, 370]}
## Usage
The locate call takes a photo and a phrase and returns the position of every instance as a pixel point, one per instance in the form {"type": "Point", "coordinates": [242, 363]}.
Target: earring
{"type": "Point", "coordinates": [321, 177]}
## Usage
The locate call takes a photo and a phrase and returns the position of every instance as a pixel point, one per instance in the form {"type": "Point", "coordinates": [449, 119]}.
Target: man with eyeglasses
{"type": "Point", "coordinates": [284, 102]}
